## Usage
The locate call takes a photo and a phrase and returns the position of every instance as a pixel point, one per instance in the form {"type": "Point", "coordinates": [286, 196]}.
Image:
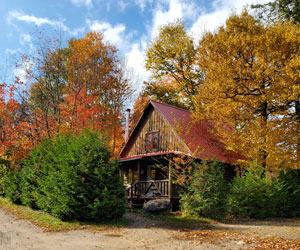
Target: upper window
{"type": "Point", "coordinates": [151, 144]}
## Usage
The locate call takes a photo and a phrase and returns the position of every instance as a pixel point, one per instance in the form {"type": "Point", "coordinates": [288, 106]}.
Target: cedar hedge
{"type": "Point", "coordinates": [252, 194]}
{"type": "Point", "coordinates": [206, 192]}
{"type": "Point", "coordinates": [71, 177]}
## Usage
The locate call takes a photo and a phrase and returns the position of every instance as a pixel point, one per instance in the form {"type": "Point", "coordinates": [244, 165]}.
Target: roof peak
{"type": "Point", "coordinates": [172, 106]}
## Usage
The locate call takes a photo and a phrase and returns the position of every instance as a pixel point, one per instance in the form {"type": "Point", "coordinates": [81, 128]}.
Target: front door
{"type": "Point", "coordinates": [143, 173]}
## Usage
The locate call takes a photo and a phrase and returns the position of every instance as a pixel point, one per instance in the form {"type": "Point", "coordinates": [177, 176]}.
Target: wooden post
{"type": "Point", "coordinates": [122, 174]}
{"type": "Point", "coordinates": [149, 173]}
{"type": "Point", "coordinates": [170, 181]}
{"type": "Point", "coordinates": [132, 176]}
{"type": "Point", "coordinates": [121, 171]}
{"type": "Point", "coordinates": [139, 170]}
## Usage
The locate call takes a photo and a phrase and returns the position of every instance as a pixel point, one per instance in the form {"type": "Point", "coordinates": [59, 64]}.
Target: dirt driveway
{"type": "Point", "coordinates": [147, 234]}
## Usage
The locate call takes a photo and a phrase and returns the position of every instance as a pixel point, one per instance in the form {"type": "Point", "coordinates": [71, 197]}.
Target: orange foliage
{"type": "Point", "coordinates": [70, 90]}
{"type": "Point", "coordinates": [138, 108]}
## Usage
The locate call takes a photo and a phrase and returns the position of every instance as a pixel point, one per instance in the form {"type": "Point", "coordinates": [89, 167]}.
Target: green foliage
{"type": "Point", "coordinates": [251, 195]}
{"type": "Point", "coordinates": [12, 186]}
{"type": "Point", "coordinates": [256, 195]}
{"type": "Point", "coordinates": [287, 193]}
{"type": "Point", "coordinates": [72, 178]}
{"type": "Point", "coordinates": [206, 194]}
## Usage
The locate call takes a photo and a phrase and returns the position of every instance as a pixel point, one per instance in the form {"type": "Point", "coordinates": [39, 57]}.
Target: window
{"type": "Point", "coordinates": [151, 144]}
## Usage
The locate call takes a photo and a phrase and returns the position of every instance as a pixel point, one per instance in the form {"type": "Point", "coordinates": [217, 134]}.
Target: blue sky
{"type": "Point", "coordinates": [128, 24]}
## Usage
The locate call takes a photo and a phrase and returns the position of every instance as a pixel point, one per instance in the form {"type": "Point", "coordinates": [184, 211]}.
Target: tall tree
{"type": "Point", "coordinates": [49, 81]}
{"type": "Point", "coordinates": [283, 10]}
{"type": "Point", "coordinates": [39, 90]}
{"type": "Point", "coordinates": [97, 87]}
{"type": "Point", "coordinates": [171, 58]}
{"type": "Point", "coordinates": [251, 83]}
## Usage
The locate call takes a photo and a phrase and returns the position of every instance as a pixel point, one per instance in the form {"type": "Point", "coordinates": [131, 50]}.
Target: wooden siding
{"type": "Point", "coordinates": [167, 139]}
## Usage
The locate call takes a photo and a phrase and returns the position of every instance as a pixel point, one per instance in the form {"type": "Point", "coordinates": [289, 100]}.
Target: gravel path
{"type": "Point", "coordinates": [141, 234]}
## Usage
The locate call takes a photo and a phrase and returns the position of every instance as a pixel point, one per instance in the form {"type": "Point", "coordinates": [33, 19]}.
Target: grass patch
{"type": "Point", "coordinates": [52, 224]}
{"type": "Point", "coordinates": [177, 220]}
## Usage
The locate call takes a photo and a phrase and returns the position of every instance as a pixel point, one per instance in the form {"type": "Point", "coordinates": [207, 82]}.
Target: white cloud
{"type": "Point", "coordinates": [210, 21]}
{"type": "Point", "coordinates": [167, 11]}
{"type": "Point", "coordinates": [25, 39]}
{"type": "Point", "coordinates": [75, 32]}
{"type": "Point", "coordinates": [79, 3]}
{"type": "Point", "coordinates": [19, 15]}
{"type": "Point", "coordinates": [161, 16]}
{"type": "Point", "coordinates": [135, 59]}
{"type": "Point", "coordinates": [22, 71]}
{"type": "Point", "coordinates": [114, 34]}
{"type": "Point", "coordinates": [176, 9]}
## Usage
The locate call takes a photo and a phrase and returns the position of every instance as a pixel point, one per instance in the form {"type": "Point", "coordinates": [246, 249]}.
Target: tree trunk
{"type": "Point", "coordinates": [297, 111]}
{"type": "Point", "coordinates": [264, 114]}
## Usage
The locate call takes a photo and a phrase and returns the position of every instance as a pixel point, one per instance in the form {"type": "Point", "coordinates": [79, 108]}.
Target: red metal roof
{"type": "Point", "coordinates": [197, 136]}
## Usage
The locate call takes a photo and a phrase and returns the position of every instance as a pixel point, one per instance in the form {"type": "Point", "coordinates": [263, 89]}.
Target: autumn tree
{"type": "Point", "coordinates": [62, 89]}
{"type": "Point", "coordinates": [138, 108]}
{"type": "Point", "coordinates": [251, 84]}
{"type": "Point", "coordinates": [82, 86]}
{"type": "Point", "coordinates": [34, 94]}
{"type": "Point", "coordinates": [49, 79]}
{"type": "Point", "coordinates": [97, 87]}
{"type": "Point", "coordinates": [171, 58]}
{"type": "Point", "coordinates": [282, 11]}
{"type": "Point", "coordinates": [7, 107]}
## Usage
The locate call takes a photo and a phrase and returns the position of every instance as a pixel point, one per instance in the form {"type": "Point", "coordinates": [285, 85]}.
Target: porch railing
{"type": "Point", "coordinates": [149, 188]}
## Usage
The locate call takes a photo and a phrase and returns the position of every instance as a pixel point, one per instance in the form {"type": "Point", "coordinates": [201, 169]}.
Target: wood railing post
{"type": "Point", "coordinates": [139, 170]}
{"type": "Point", "coordinates": [132, 177]}
{"type": "Point", "coordinates": [170, 182]}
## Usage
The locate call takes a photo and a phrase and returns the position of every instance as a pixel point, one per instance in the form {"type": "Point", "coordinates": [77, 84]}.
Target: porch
{"type": "Point", "coordinates": [147, 180]}
{"type": "Point", "coordinates": [143, 191]}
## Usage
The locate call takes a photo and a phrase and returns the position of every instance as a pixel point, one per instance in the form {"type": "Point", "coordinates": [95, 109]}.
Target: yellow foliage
{"type": "Point", "coordinates": [171, 59]}
{"type": "Point", "coordinates": [251, 90]}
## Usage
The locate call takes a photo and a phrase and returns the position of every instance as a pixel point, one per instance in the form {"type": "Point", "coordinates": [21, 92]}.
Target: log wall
{"type": "Point", "coordinates": [155, 135]}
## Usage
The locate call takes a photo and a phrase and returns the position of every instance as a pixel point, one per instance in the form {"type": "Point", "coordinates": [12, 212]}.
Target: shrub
{"type": "Point", "coordinates": [34, 170]}
{"type": "Point", "coordinates": [12, 186]}
{"type": "Point", "coordinates": [287, 193]}
{"type": "Point", "coordinates": [206, 192]}
{"type": "Point", "coordinates": [251, 195]}
{"type": "Point", "coordinates": [73, 178]}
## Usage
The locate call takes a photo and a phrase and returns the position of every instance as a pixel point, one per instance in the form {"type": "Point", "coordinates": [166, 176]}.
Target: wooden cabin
{"type": "Point", "coordinates": [165, 131]}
